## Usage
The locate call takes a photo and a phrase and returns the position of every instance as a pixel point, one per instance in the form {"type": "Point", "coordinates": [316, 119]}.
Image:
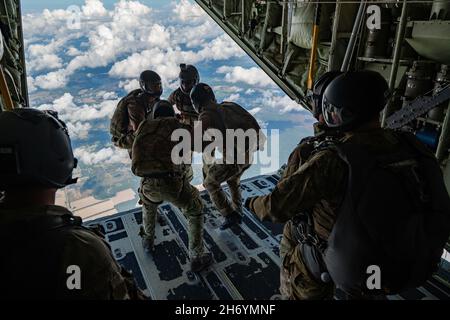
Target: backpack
{"type": "Point", "coordinates": [395, 215]}
{"type": "Point", "coordinates": [234, 117]}
{"type": "Point", "coordinates": [152, 148]}
{"type": "Point", "coordinates": [119, 121]}
{"type": "Point", "coordinates": [32, 256]}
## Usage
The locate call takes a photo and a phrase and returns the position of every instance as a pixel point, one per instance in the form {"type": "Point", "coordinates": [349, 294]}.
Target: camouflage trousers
{"type": "Point", "coordinates": [296, 282]}
{"type": "Point", "coordinates": [179, 192]}
{"type": "Point", "coordinates": [215, 175]}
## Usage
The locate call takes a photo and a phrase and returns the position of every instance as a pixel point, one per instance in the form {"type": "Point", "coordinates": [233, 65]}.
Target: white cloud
{"type": "Point", "coordinates": [196, 35]}
{"type": "Point", "coordinates": [227, 89]}
{"type": "Point", "coordinates": [72, 52]}
{"type": "Point", "coordinates": [233, 98]}
{"type": "Point", "coordinates": [254, 110]}
{"type": "Point", "coordinates": [120, 31]}
{"type": "Point", "coordinates": [106, 95]}
{"type": "Point", "coordinates": [31, 86]}
{"type": "Point", "coordinates": [128, 30]}
{"type": "Point", "coordinates": [187, 11]}
{"type": "Point", "coordinates": [158, 36]}
{"type": "Point", "coordinates": [94, 8]}
{"type": "Point", "coordinates": [88, 156]}
{"type": "Point", "coordinates": [53, 80]}
{"type": "Point", "coordinates": [43, 57]}
{"type": "Point", "coordinates": [129, 85]}
{"type": "Point", "coordinates": [78, 117]}
{"type": "Point", "coordinates": [68, 110]}
{"type": "Point", "coordinates": [78, 130]}
{"type": "Point", "coordinates": [46, 61]}
{"type": "Point", "coordinates": [282, 103]}
{"type": "Point", "coordinates": [164, 62]}
{"type": "Point", "coordinates": [252, 76]}
{"type": "Point", "coordinates": [221, 48]}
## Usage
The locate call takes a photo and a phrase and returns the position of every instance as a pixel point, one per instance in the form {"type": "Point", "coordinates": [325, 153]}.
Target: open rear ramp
{"type": "Point", "coordinates": [246, 257]}
{"type": "Point", "coordinates": [247, 263]}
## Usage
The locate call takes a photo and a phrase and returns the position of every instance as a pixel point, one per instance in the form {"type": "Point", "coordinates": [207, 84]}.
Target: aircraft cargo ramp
{"type": "Point", "coordinates": [246, 257]}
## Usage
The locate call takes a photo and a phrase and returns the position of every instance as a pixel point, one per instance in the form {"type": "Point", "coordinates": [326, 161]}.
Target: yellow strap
{"type": "Point", "coordinates": [312, 61]}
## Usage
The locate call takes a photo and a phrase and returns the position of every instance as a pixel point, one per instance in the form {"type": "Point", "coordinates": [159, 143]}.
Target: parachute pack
{"type": "Point", "coordinates": [152, 148]}
{"type": "Point", "coordinates": [119, 121]}
{"type": "Point", "coordinates": [235, 117]}
{"type": "Point", "coordinates": [395, 216]}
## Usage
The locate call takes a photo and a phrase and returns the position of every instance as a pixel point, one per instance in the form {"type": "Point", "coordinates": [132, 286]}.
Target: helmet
{"type": "Point", "coordinates": [314, 96]}
{"type": "Point", "coordinates": [163, 109]}
{"type": "Point", "coordinates": [150, 83]}
{"type": "Point", "coordinates": [35, 150]}
{"type": "Point", "coordinates": [354, 98]}
{"type": "Point", "coordinates": [189, 77]}
{"type": "Point", "coordinates": [201, 95]}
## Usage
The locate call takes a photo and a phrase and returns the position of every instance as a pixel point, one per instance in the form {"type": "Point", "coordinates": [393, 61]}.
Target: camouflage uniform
{"type": "Point", "coordinates": [217, 173]}
{"type": "Point", "coordinates": [188, 114]}
{"type": "Point", "coordinates": [165, 181]}
{"type": "Point", "coordinates": [184, 105]}
{"type": "Point", "coordinates": [317, 186]}
{"type": "Point", "coordinates": [129, 114]}
{"type": "Point", "coordinates": [41, 247]}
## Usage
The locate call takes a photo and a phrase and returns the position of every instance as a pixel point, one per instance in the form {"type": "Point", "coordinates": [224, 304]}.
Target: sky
{"type": "Point", "coordinates": [84, 55]}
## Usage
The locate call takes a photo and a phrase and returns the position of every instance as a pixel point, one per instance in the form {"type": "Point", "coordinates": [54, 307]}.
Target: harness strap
{"type": "Point", "coordinates": [310, 245]}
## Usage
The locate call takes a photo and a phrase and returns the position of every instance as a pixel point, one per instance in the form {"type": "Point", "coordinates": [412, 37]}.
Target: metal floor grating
{"type": "Point", "coordinates": [246, 257]}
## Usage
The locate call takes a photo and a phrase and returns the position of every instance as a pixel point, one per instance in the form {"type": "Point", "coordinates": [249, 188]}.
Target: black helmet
{"type": "Point", "coordinates": [150, 83]}
{"type": "Point", "coordinates": [314, 96]}
{"type": "Point", "coordinates": [354, 98]}
{"type": "Point", "coordinates": [189, 77]}
{"type": "Point", "coordinates": [35, 150]}
{"type": "Point", "coordinates": [163, 109]}
{"type": "Point", "coordinates": [201, 95]}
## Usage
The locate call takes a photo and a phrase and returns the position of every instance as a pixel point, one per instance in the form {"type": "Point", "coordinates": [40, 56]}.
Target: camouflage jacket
{"type": "Point", "coordinates": [129, 114]}
{"type": "Point", "coordinates": [318, 185]}
{"type": "Point", "coordinates": [183, 103]}
{"type": "Point", "coordinates": [153, 146]}
{"type": "Point", "coordinates": [41, 251]}
{"type": "Point", "coordinates": [230, 116]}
{"type": "Point", "coordinates": [306, 148]}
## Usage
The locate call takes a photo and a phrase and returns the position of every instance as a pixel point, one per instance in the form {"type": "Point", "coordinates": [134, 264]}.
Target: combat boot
{"type": "Point", "coordinates": [147, 244]}
{"type": "Point", "coordinates": [232, 219]}
{"type": "Point", "coordinates": [147, 241]}
{"type": "Point", "coordinates": [201, 262]}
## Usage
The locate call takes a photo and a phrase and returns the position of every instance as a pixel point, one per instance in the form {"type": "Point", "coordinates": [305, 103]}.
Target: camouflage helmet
{"type": "Point", "coordinates": [354, 98]}
{"type": "Point", "coordinates": [163, 109]}
{"type": "Point", "coordinates": [150, 83]}
{"type": "Point", "coordinates": [201, 95]}
{"type": "Point", "coordinates": [189, 77]}
{"type": "Point", "coordinates": [35, 150]}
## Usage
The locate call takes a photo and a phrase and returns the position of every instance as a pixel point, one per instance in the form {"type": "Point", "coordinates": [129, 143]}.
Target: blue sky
{"type": "Point", "coordinates": [82, 70]}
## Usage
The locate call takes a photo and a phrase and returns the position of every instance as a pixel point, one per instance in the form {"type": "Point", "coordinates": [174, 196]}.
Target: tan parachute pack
{"type": "Point", "coordinates": [120, 121]}
{"type": "Point", "coordinates": [234, 117]}
{"type": "Point", "coordinates": [152, 148]}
